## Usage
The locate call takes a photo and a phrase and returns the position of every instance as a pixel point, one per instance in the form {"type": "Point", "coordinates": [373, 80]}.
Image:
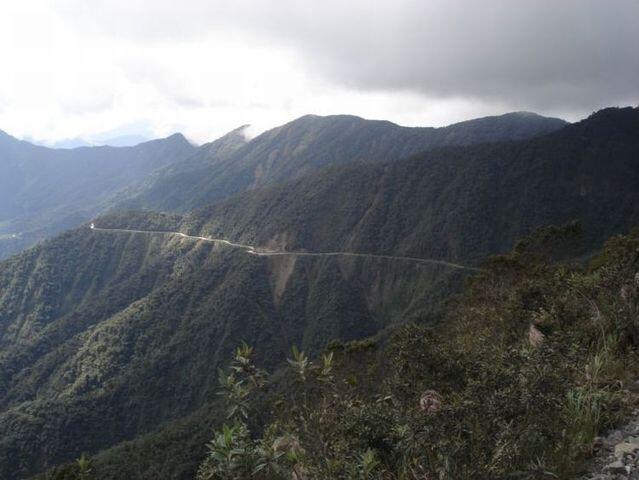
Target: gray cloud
{"type": "Point", "coordinates": [534, 54]}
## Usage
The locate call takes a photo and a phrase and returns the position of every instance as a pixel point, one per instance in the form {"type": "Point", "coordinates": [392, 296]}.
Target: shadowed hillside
{"type": "Point", "coordinates": [457, 204]}
{"type": "Point", "coordinates": [312, 142]}
{"type": "Point", "coordinates": [45, 191]}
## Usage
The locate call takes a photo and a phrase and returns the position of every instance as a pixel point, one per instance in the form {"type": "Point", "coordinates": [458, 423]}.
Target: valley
{"type": "Point", "coordinates": [130, 315]}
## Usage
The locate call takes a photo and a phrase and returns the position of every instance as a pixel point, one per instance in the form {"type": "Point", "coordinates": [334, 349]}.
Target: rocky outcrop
{"type": "Point", "coordinates": [617, 454]}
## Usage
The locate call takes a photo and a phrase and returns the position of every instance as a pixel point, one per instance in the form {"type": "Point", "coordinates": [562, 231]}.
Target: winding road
{"type": "Point", "coordinates": [252, 250]}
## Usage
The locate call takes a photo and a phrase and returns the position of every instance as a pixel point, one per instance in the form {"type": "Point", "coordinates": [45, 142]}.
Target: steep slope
{"type": "Point", "coordinates": [44, 190]}
{"type": "Point", "coordinates": [457, 204]}
{"type": "Point", "coordinates": [131, 327]}
{"type": "Point", "coordinates": [312, 142]}
{"type": "Point", "coordinates": [490, 379]}
{"type": "Point", "coordinates": [506, 388]}
{"type": "Point", "coordinates": [176, 183]}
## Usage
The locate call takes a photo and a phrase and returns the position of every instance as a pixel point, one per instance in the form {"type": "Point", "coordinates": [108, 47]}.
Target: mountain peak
{"type": "Point", "coordinates": [523, 114]}
{"type": "Point", "coordinates": [614, 113]}
{"type": "Point", "coordinates": [514, 116]}
{"type": "Point", "coordinates": [229, 142]}
{"type": "Point", "coordinates": [5, 136]}
{"type": "Point", "coordinates": [312, 122]}
{"type": "Point", "coordinates": [177, 137]}
{"type": "Point", "coordinates": [242, 131]}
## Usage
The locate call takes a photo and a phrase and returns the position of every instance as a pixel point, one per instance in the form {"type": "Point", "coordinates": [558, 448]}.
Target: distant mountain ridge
{"type": "Point", "coordinates": [44, 190]}
{"type": "Point", "coordinates": [313, 142]}
{"type": "Point", "coordinates": [453, 203]}
{"type": "Point", "coordinates": [48, 190]}
{"type": "Point", "coordinates": [116, 141]}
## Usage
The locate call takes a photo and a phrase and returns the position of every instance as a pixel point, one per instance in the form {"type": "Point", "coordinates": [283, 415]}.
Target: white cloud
{"type": "Point", "coordinates": [74, 68]}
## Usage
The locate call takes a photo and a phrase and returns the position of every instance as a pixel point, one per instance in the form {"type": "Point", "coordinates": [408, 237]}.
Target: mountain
{"type": "Point", "coordinates": [98, 141]}
{"type": "Point", "coordinates": [457, 203]}
{"type": "Point", "coordinates": [117, 141]}
{"type": "Point", "coordinates": [44, 191]}
{"type": "Point", "coordinates": [49, 190]}
{"type": "Point", "coordinates": [172, 185]}
{"type": "Point", "coordinates": [313, 142]}
{"type": "Point", "coordinates": [513, 375]}
{"type": "Point", "coordinates": [131, 327]}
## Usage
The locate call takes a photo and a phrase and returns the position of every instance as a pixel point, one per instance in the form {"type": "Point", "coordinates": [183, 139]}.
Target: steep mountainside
{"type": "Point", "coordinates": [44, 190]}
{"type": "Point", "coordinates": [174, 183]}
{"type": "Point", "coordinates": [534, 360]}
{"type": "Point", "coordinates": [457, 204]}
{"type": "Point", "coordinates": [131, 327]}
{"type": "Point", "coordinates": [313, 142]}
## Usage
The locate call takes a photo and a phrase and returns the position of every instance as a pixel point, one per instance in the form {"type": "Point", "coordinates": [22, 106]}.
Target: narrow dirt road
{"type": "Point", "coordinates": [252, 250]}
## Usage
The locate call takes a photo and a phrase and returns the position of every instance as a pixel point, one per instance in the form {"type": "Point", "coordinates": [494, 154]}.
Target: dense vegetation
{"type": "Point", "coordinates": [132, 327]}
{"type": "Point", "coordinates": [536, 357]}
{"type": "Point", "coordinates": [45, 191]}
{"type": "Point", "coordinates": [460, 204]}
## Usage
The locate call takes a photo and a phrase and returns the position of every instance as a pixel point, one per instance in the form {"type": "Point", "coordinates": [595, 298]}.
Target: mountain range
{"type": "Point", "coordinates": [104, 140]}
{"type": "Point", "coordinates": [311, 143]}
{"type": "Point", "coordinates": [44, 191]}
{"type": "Point", "coordinates": [453, 203]}
{"type": "Point", "coordinates": [131, 326]}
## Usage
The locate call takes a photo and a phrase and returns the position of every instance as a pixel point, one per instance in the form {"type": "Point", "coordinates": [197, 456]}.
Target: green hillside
{"type": "Point", "coordinates": [534, 359]}
{"type": "Point", "coordinates": [132, 327]}
{"type": "Point", "coordinates": [458, 204]}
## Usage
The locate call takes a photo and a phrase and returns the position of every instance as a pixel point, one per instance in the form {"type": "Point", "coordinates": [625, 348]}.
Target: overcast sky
{"type": "Point", "coordinates": [83, 68]}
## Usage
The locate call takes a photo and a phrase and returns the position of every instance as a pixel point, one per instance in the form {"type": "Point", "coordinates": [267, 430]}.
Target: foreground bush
{"type": "Point", "coordinates": [533, 361]}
